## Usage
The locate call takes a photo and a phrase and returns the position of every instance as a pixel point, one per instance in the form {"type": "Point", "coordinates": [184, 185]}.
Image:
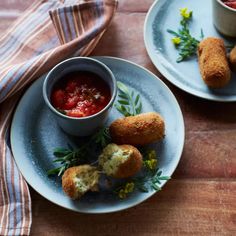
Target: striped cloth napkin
{"type": "Point", "coordinates": [47, 33]}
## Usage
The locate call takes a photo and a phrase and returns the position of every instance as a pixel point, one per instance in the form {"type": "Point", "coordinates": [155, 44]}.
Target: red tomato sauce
{"type": "Point", "coordinates": [80, 94]}
{"type": "Point", "coordinates": [230, 3]}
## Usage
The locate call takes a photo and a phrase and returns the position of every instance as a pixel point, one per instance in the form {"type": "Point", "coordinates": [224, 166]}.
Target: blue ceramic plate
{"type": "Point", "coordinates": [34, 135]}
{"type": "Point", "coordinates": [165, 15]}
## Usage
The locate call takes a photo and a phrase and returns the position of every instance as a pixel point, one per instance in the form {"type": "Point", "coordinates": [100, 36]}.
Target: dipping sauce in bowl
{"type": "Point", "coordinates": [80, 94]}
{"type": "Point", "coordinates": [230, 3]}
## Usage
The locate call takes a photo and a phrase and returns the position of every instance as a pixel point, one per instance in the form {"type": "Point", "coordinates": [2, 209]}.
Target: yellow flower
{"type": "Point", "coordinates": [152, 154]}
{"type": "Point", "coordinates": [151, 161]}
{"type": "Point", "coordinates": [185, 14]}
{"type": "Point", "coordinates": [122, 194]}
{"type": "Point", "coordinates": [129, 187]}
{"type": "Point", "coordinates": [176, 40]}
{"type": "Point", "coordinates": [151, 164]}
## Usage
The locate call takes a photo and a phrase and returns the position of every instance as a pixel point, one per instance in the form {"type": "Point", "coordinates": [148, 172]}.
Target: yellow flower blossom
{"type": "Point", "coordinates": [151, 160]}
{"type": "Point", "coordinates": [129, 187]}
{"type": "Point", "coordinates": [185, 14]}
{"type": "Point", "coordinates": [151, 164]}
{"type": "Point", "coordinates": [176, 40]}
{"type": "Point", "coordinates": [151, 154]}
{"type": "Point", "coordinates": [124, 191]}
{"type": "Point", "coordinates": [122, 194]}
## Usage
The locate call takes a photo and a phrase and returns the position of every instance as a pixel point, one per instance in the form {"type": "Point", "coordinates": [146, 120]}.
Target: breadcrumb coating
{"type": "Point", "coordinates": [213, 63]}
{"type": "Point", "coordinates": [232, 59]}
{"type": "Point", "coordinates": [138, 130]}
{"type": "Point", "coordinates": [78, 180]}
{"type": "Point", "coordinates": [120, 161]}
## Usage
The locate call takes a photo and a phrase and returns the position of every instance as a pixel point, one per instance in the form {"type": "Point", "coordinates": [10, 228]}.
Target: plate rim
{"type": "Point", "coordinates": [179, 155]}
{"type": "Point", "coordinates": [165, 71]}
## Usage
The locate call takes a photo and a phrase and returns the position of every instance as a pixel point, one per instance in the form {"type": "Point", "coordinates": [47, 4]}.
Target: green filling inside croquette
{"type": "Point", "coordinates": [86, 180]}
{"type": "Point", "coordinates": [112, 157]}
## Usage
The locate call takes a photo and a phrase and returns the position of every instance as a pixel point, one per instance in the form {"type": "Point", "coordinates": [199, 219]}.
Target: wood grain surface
{"type": "Point", "coordinates": [201, 197]}
{"type": "Point", "coordinates": [193, 207]}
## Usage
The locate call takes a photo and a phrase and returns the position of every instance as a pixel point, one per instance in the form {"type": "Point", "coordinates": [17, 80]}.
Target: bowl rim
{"type": "Point", "coordinates": [51, 107]}
{"type": "Point", "coordinates": [225, 6]}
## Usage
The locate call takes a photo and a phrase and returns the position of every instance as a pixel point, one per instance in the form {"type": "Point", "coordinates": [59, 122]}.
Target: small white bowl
{"type": "Point", "coordinates": [224, 18]}
{"type": "Point", "coordinates": [80, 126]}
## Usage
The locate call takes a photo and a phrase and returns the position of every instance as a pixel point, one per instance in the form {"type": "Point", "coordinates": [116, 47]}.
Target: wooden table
{"type": "Point", "coordinates": [201, 197]}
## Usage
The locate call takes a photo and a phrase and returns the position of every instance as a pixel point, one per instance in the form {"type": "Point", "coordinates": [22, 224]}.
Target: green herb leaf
{"type": "Point", "coordinates": [69, 157]}
{"type": "Point", "coordinates": [123, 96]}
{"type": "Point", "coordinates": [202, 34]}
{"type": "Point", "coordinates": [151, 177]}
{"type": "Point", "coordinates": [187, 44]}
{"type": "Point", "coordinates": [137, 100]}
{"type": "Point", "coordinates": [123, 102]}
{"type": "Point", "coordinates": [138, 109]}
{"type": "Point", "coordinates": [102, 137]}
{"type": "Point", "coordinates": [122, 87]}
{"type": "Point", "coordinates": [173, 33]}
{"type": "Point", "coordinates": [60, 152]}
{"type": "Point", "coordinates": [54, 171]}
{"type": "Point", "coordinates": [142, 188]}
{"type": "Point", "coordinates": [164, 177]}
{"type": "Point", "coordinates": [129, 103]}
{"type": "Point", "coordinates": [132, 93]}
{"type": "Point", "coordinates": [155, 187]}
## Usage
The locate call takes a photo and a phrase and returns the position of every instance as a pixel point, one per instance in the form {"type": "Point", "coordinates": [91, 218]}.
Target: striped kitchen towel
{"type": "Point", "coordinates": [47, 33]}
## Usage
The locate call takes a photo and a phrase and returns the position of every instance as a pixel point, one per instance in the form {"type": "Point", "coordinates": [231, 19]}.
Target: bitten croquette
{"type": "Point", "coordinates": [138, 130]}
{"type": "Point", "coordinates": [120, 161]}
{"type": "Point", "coordinates": [213, 63]}
{"type": "Point", "coordinates": [77, 180]}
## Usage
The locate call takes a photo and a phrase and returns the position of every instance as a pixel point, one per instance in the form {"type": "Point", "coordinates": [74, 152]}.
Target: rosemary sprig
{"type": "Point", "coordinates": [150, 180]}
{"type": "Point", "coordinates": [102, 137]}
{"type": "Point", "coordinates": [67, 157]}
{"type": "Point", "coordinates": [129, 103]}
{"type": "Point", "coordinates": [185, 43]}
{"type": "Point", "coordinates": [152, 176]}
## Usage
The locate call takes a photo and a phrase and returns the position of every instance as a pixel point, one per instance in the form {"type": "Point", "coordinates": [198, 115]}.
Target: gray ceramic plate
{"type": "Point", "coordinates": [165, 15]}
{"type": "Point", "coordinates": [34, 135]}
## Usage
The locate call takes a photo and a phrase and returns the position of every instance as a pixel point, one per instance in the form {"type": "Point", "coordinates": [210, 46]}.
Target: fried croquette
{"type": "Point", "coordinates": [138, 130]}
{"type": "Point", "coordinates": [232, 58]}
{"type": "Point", "coordinates": [76, 181]}
{"type": "Point", "coordinates": [120, 161]}
{"type": "Point", "coordinates": [213, 62]}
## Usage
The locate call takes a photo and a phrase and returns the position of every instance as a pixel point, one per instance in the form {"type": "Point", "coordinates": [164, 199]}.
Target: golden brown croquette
{"type": "Point", "coordinates": [138, 130]}
{"type": "Point", "coordinates": [232, 58]}
{"type": "Point", "coordinates": [77, 180]}
{"type": "Point", "coordinates": [213, 62]}
{"type": "Point", "coordinates": [120, 161]}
